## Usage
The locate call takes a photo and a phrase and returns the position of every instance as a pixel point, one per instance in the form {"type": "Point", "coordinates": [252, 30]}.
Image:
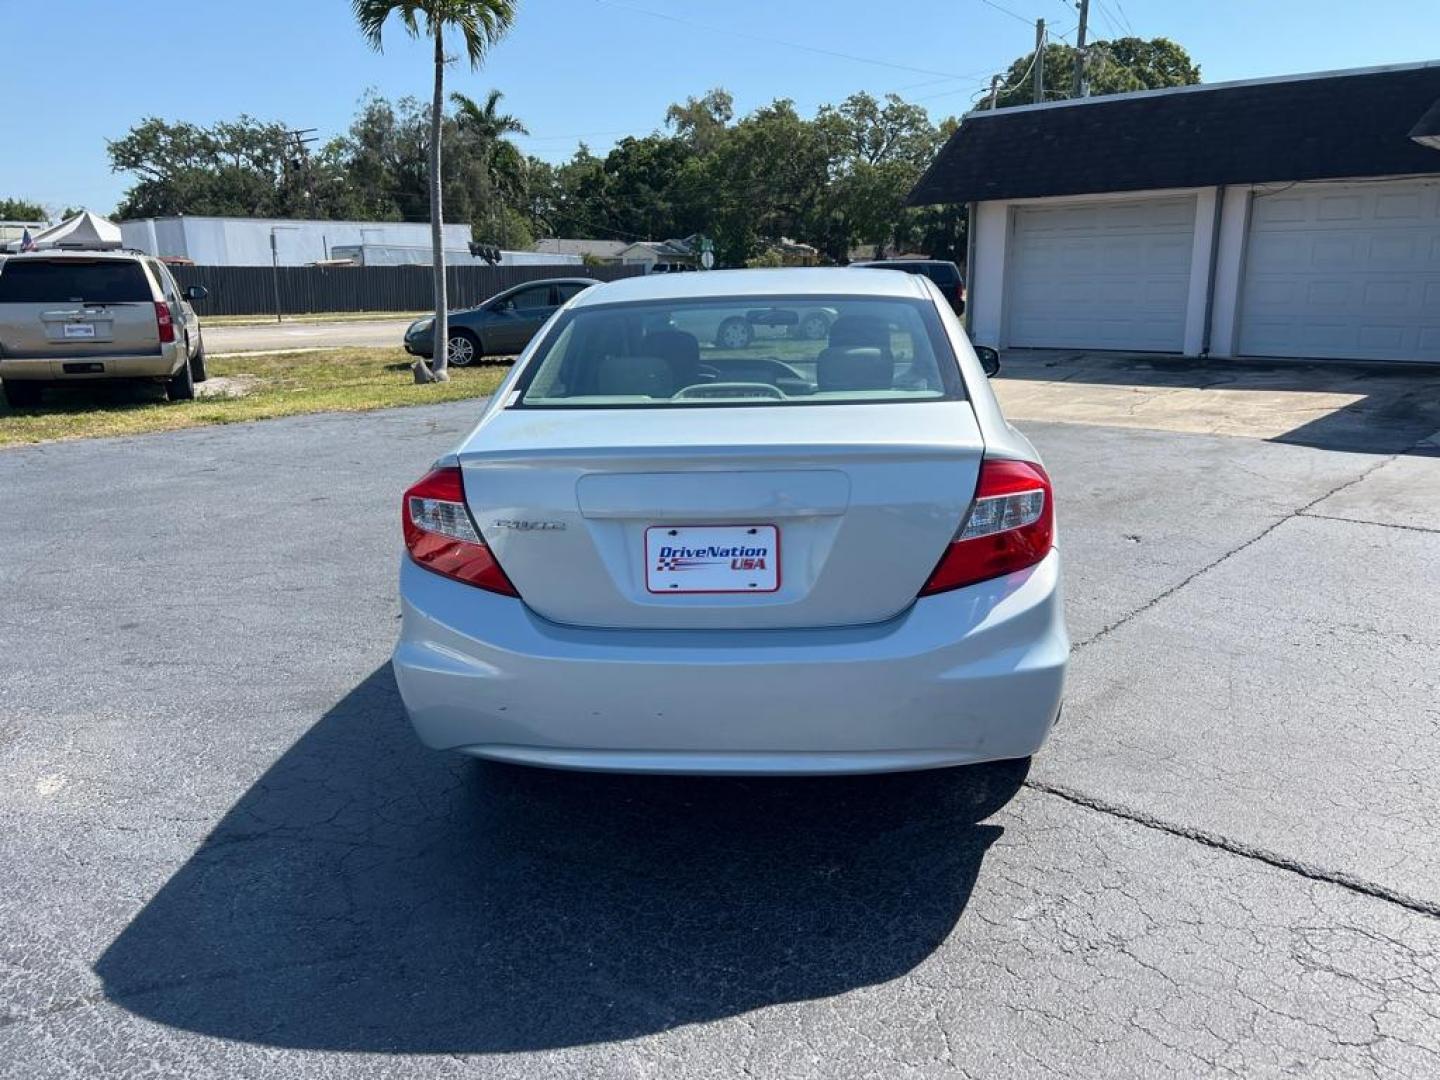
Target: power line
{"type": "Point", "coordinates": [1007, 11]}
{"type": "Point", "coordinates": [1020, 81]}
{"type": "Point", "coordinates": [1110, 21]}
{"type": "Point", "coordinates": [1124, 18]}
{"type": "Point", "coordinates": [765, 38]}
{"type": "Point", "coordinates": [951, 93]}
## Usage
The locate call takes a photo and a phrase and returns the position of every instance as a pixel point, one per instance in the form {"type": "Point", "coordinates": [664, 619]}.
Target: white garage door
{"type": "Point", "coordinates": [1102, 275]}
{"type": "Point", "coordinates": [1344, 270]}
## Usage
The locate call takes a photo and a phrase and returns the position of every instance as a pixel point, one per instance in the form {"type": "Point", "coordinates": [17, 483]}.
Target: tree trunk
{"type": "Point", "coordinates": [441, 337]}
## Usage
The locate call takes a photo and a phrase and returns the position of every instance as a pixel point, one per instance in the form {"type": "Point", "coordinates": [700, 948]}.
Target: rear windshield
{"type": "Point", "coordinates": [36, 281]}
{"type": "Point", "coordinates": [743, 351]}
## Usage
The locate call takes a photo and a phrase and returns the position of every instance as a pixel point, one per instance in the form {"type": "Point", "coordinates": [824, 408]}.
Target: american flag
{"type": "Point", "coordinates": [27, 242]}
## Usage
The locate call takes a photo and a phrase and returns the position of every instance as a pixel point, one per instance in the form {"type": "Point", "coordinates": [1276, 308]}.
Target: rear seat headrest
{"type": "Point", "coordinates": [629, 376]}
{"type": "Point", "coordinates": [853, 367]}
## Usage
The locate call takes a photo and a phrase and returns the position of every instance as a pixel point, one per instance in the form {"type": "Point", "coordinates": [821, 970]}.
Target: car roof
{"type": "Point", "coordinates": [50, 254]}
{"type": "Point", "coordinates": [718, 284]}
{"type": "Point", "coordinates": [905, 262]}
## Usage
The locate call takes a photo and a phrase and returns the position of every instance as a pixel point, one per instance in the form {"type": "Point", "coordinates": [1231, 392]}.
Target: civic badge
{"type": "Point", "coordinates": [528, 526]}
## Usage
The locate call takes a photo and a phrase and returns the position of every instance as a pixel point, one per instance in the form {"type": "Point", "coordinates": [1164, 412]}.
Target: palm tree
{"type": "Point", "coordinates": [503, 162]}
{"type": "Point", "coordinates": [480, 24]}
{"type": "Point", "coordinates": [486, 121]}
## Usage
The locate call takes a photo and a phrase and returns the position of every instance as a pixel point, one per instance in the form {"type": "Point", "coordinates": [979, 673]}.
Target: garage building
{"type": "Point", "coordinates": [1290, 217]}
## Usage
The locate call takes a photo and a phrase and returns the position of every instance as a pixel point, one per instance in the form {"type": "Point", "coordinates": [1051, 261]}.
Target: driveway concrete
{"type": "Point", "coordinates": [1338, 406]}
{"type": "Point", "coordinates": [226, 854]}
{"type": "Point", "coordinates": [370, 333]}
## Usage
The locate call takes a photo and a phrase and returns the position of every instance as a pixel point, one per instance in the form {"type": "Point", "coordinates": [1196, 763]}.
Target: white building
{"type": "Point", "coordinates": [607, 251]}
{"type": "Point", "coordinates": [414, 255]}
{"type": "Point", "coordinates": [14, 231]}
{"type": "Point", "coordinates": [236, 241]}
{"type": "Point", "coordinates": [1292, 217]}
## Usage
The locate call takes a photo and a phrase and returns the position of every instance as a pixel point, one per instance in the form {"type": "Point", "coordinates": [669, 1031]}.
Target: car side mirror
{"type": "Point", "coordinates": [505, 307]}
{"type": "Point", "coordinates": [989, 360]}
{"type": "Point", "coordinates": [196, 292]}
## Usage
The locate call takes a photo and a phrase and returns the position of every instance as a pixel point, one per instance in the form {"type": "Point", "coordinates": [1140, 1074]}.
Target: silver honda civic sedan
{"type": "Point", "coordinates": [656, 553]}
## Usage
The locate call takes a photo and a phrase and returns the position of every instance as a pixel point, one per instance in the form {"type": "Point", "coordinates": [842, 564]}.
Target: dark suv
{"type": "Point", "coordinates": [944, 274]}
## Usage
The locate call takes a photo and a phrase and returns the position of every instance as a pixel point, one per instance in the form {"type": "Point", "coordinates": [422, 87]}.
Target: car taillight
{"type": "Point", "coordinates": [1011, 525]}
{"type": "Point", "coordinates": [441, 535]}
{"type": "Point", "coordinates": [164, 323]}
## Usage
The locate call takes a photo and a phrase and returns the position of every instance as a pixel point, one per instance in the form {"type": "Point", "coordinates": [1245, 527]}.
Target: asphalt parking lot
{"type": "Point", "coordinates": [225, 854]}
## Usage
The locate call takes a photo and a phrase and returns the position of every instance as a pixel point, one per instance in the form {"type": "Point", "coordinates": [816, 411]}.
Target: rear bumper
{"type": "Point", "coordinates": [968, 676]}
{"type": "Point", "coordinates": [160, 365]}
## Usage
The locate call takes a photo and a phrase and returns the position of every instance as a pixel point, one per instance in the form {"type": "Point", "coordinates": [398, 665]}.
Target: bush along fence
{"type": "Point", "coordinates": [301, 290]}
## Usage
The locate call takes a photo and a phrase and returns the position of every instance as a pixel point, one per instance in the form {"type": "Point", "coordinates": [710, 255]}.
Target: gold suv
{"type": "Point", "coordinates": [85, 315]}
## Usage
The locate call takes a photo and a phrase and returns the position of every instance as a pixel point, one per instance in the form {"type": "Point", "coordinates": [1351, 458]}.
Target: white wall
{"type": "Point", "coordinates": [212, 241]}
{"type": "Point", "coordinates": [985, 284]}
{"type": "Point", "coordinates": [638, 256]}
{"type": "Point", "coordinates": [1234, 224]}
{"type": "Point", "coordinates": [1205, 203]}
{"type": "Point", "coordinates": [394, 255]}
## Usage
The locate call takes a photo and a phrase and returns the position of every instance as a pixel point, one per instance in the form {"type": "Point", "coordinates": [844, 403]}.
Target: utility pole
{"type": "Point", "coordinates": [1082, 88]}
{"type": "Point", "coordinates": [1039, 61]}
{"type": "Point", "coordinates": [994, 90]}
{"type": "Point", "coordinates": [296, 159]}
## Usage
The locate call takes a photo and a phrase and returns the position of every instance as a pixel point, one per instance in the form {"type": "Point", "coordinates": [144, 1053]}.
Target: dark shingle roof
{"type": "Point", "coordinates": [1307, 128]}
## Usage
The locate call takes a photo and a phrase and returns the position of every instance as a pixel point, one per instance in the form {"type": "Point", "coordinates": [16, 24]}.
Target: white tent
{"type": "Point", "coordinates": [84, 230]}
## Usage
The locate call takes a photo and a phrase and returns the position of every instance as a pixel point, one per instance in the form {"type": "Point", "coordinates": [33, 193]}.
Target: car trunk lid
{"type": "Point", "coordinates": [577, 505]}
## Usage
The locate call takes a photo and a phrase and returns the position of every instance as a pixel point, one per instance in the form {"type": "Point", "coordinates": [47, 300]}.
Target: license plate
{"type": "Point", "coordinates": [79, 329]}
{"type": "Point", "coordinates": [712, 559]}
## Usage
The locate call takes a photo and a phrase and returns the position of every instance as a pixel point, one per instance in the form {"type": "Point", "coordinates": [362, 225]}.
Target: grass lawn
{"type": "Point", "coordinates": [333, 316]}
{"type": "Point", "coordinates": [277, 384]}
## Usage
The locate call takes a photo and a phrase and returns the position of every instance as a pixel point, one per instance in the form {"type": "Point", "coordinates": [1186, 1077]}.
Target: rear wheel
{"type": "Point", "coordinates": [734, 333]}
{"type": "Point", "coordinates": [23, 395]}
{"type": "Point", "coordinates": [197, 364]}
{"type": "Point", "coordinates": [814, 326]}
{"type": "Point", "coordinates": [464, 348]}
{"type": "Point", "coordinates": [181, 385]}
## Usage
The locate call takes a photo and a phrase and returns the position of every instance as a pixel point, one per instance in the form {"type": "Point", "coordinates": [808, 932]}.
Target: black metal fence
{"type": "Point", "coordinates": [251, 290]}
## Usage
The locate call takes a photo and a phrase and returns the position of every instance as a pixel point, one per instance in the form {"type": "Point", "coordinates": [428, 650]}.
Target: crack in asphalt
{"type": "Point", "coordinates": [1300, 511]}
{"type": "Point", "coordinates": [1377, 524]}
{"type": "Point", "coordinates": [1218, 842]}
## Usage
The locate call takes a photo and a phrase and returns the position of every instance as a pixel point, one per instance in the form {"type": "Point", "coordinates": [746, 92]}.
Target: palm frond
{"type": "Point", "coordinates": [372, 15]}
{"type": "Point", "coordinates": [480, 23]}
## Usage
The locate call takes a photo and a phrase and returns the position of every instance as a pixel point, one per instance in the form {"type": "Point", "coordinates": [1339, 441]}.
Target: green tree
{"type": "Point", "coordinates": [641, 190]}
{"type": "Point", "coordinates": [244, 167]}
{"type": "Point", "coordinates": [480, 23]}
{"type": "Point", "coordinates": [570, 199]}
{"type": "Point", "coordinates": [701, 122]}
{"type": "Point", "coordinates": [1113, 67]}
{"type": "Point", "coordinates": [770, 178]}
{"type": "Point", "coordinates": [21, 210]}
{"type": "Point", "coordinates": [496, 172]}
{"type": "Point", "coordinates": [883, 146]}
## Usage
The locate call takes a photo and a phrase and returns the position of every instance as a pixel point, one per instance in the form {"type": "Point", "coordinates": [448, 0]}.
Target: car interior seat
{"type": "Point", "coordinates": [678, 349]}
{"type": "Point", "coordinates": [630, 376]}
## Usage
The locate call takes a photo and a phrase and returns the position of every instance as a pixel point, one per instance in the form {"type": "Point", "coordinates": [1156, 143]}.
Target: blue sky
{"type": "Point", "coordinates": [597, 69]}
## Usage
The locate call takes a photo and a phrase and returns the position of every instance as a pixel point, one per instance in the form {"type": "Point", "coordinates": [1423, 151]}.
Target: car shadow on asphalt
{"type": "Point", "coordinates": [369, 895]}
